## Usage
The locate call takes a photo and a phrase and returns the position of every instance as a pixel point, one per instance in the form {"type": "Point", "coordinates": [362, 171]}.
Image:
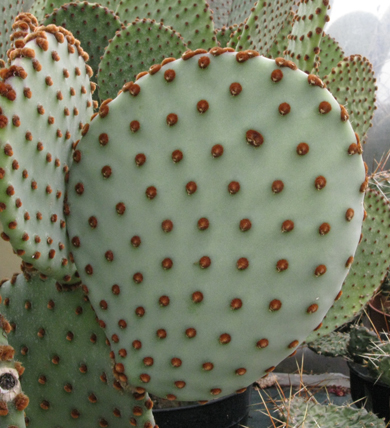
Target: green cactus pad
{"type": "Point", "coordinates": [299, 412]}
{"type": "Point", "coordinates": [353, 83]}
{"type": "Point", "coordinates": [257, 33]}
{"type": "Point", "coordinates": [235, 36]}
{"type": "Point", "coordinates": [306, 35]}
{"type": "Point", "coordinates": [221, 11]}
{"type": "Point", "coordinates": [192, 20]}
{"type": "Point", "coordinates": [13, 401]}
{"type": "Point", "coordinates": [368, 269]}
{"type": "Point", "coordinates": [331, 55]}
{"type": "Point", "coordinates": [69, 375]}
{"type": "Point", "coordinates": [224, 34]}
{"type": "Point", "coordinates": [92, 24]}
{"type": "Point", "coordinates": [280, 43]}
{"type": "Point", "coordinates": [45, 100]}
{"type": "Point", "coordinates": [213, 194]}
{"type": "Point", "coordinates": [240, 11]}
{"type": "Point", "coordinates": [331, 345]}
{"type": "Point", "coordinates": [120, 62]}
{"type": "Point", "coordinates": [8, 11]}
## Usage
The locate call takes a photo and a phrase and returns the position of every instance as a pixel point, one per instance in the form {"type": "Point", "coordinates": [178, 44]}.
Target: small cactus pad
{"type": "Point", "coordinates": [331, 55]}
{"type": "Point", "coordinates": [353, 83]}
{"type": "Point", "coordinates": [300, 412]}
{"type": "Point", "coordinates": [69, 375]}
{"type": "Point", "coordinates": [368, 269]}
{"type": "Point", "coordinates": [264, 24]}
{"type": "Point", "coordinates": [193, 20]}
{"type": "Point", "coordinates": [307, 31]}
{"type": "Point", "coordinates": [92, 24]}
{"type": "Point", "coordinates": [210, 196]}
{"type": "Point", "coordinates": [240, 11]}
{"type": "Point", "coordinates": [13, 401]}
{"type": "Point", "coordinates": [221, 11]}
{"type": "Point", "coordinates": [45, 98]}
{"type": "Point", "coordinates": [8, 11]}
{"type": "Point", "coordinates": [129, 53]}
{"type": "Point", "coordinates": [331, 345]}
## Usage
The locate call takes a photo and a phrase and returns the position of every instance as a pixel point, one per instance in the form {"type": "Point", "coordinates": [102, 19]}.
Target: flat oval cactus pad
{"type": "Point", "coordinates": [208, 218]}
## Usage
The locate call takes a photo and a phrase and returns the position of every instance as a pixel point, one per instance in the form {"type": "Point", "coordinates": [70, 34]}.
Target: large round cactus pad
{"type": "Point", "coordinates": [208, 218]}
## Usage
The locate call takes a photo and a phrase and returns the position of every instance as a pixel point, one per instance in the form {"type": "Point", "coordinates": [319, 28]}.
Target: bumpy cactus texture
{"type": "Point", "coordinates": [221, 10]}
{"type": "Point", "coordinates": [307, 31]}
{"type": "Point", "coordinates": [45, 98]}
{"type": "Point", "coordinates": [263, 25]}
{"type": "Point", "coordinates": [177, 223]}
{"type": "Point", "coordinates": [129, 54]}
{"type": "Point", "coordinates": [8, 11]}
{"type": "Point", "coordinates": [68, 373]}
{"type": "Point", "coordinates": [192, 20]}
{"type": "Point", "coordinates": [331, 55]}
{"type": "Point", "coordinates": [311, 414]}
{"type": "Point", "coordinates": [93, 25]}
{"type": "Point", "coordinates": [368, 269]}
{"type": "Point", "coordinates": [240, 11]}
{"type": "Point", "coordinates": [331, 345]}
{"type": "Point", "coordinates": [353, 83]}
{"type": "Point", "coordinates": [13, 401]}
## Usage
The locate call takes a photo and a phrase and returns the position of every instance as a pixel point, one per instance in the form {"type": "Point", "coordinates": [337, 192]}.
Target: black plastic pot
{"type": "Point", "coordinates": [227, 412]}
{"type": "Point", "coordinates": [373, 395]}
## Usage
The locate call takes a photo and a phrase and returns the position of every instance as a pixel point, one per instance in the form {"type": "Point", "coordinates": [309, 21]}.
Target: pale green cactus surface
{"type": "Point", "coordinates": [178, 221]}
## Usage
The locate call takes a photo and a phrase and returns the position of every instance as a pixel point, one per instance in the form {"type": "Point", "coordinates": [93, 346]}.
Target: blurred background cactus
{"type": "Point", "coordinates": [120, 40]}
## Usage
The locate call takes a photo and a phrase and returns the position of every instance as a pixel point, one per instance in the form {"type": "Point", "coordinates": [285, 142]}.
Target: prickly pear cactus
{"type": "Point", "coordinates": [8, 11]}
{"type": "Point", "coordinates": [192, 20]}
{"type": "Point", "coordinates": [13, 401]}
{"type": "Point", "coordinates": [93, 25]}
{"type": "Point", "coordinates": [331, 345]}
{"type": "Point", "coordinates": [311, 414]}
{"type": "Point", "coordinates": [69, 373]}
{"type": "Point", "coordinates": [307, 32]}
{"type": "Point", "coordinates": [221, 11]}
{"type": "Point", "coordinates": [368, 269]}
{"type": "Point", "coordinates": [45, 100]}
{"type": "Point", "coordinates": [119, 63]}
{"type": "Point", "coordinates": [331, 55]}
{"type": "Point", "coordinates": [361, 339]}
{"type": "Point", "coordinates": [353, 83]}
{"type": "Point", "coordinates": [256, 33]}
{"type": "Point", "coordinates": [177, 182]}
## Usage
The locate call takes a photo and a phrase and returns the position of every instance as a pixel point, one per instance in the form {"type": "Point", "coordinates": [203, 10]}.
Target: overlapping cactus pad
{"type": "Point", "coordinates": [209, 218]}
{"type": "Point", "coordinates": [68, 375]}
{"type": "Point", "coordinates": [353, 83]}
{"type": "Point", "coordinates": [368, 269]}
{"type": "Point", "coordinates": [8, 11]}
{"type": "Point", "coordinates": [128, 53]}
{"type": "Point", "coordinates": [45, 98]}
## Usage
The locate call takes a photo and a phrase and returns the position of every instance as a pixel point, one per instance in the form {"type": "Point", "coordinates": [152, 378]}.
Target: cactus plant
{"type": "Point", "coordinates": [68, 375]}
{"type": "Point", "coordinates": [299, 411]}
{"type": "Point", "coordinates": [220, 149]}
